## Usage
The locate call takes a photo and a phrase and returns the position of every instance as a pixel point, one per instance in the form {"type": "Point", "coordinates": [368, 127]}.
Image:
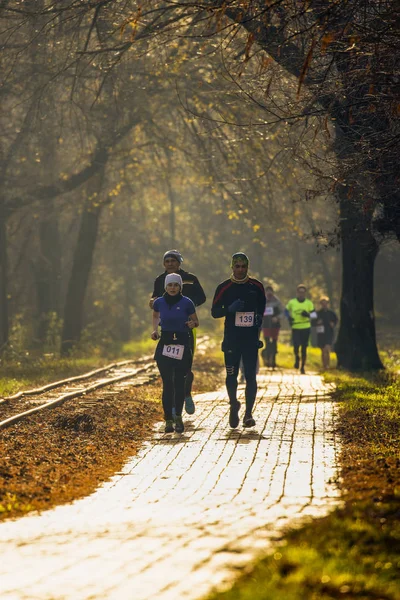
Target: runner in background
{"type": "Point", "coordinates": [177, 316]}
{"type": "Point", "coordinates": [270, 326]}
{"type": "Point", "coordinates": [326, 323]}
{"type": "Point", "coordinates": [241, 301]}
{"type": "Point", "coordinates": [192, 289]}
{"type": "Point", "coordinates": [300, 311]}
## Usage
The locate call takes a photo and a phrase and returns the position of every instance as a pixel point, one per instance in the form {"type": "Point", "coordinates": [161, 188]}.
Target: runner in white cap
{"type": "Point", "coordinates": [176, 314]}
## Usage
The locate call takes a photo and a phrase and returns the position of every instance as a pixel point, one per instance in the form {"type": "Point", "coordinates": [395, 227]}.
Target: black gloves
{"type": "Point", "coordinates": [236, 306]}
{"type": "Point", "coordinates": [304, 313]}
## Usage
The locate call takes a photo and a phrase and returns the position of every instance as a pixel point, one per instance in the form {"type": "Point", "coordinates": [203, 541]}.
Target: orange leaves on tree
{"type": "Point", "coordinates": [306, 66]}
{"type": "Point", "coordinates": [133, 22]}
{"type": "Point", "coordinates": [249, 45]}
{"type": "Point", "coordinates": [264, 64]}
{"type": "Point", "coordinates": [220, 16]}
{"type": "Point", "coordinates": [326, 40]}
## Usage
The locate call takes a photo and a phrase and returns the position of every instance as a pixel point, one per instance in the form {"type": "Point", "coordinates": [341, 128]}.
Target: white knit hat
{"type": "Point", "coordinates": [173, 278]}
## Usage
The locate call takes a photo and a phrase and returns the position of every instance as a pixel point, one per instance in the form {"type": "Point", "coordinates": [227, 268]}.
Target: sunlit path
{"type": "Point", "coordinates": [188, 511]}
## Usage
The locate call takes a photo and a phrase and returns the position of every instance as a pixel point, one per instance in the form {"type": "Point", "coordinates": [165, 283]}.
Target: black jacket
{"type": "Point", "coordinates": [253, 295]}
{"type": "Point", "coordinates": [191, 287]}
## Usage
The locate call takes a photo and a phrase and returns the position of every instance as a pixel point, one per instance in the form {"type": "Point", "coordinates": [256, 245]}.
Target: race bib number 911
{"type": "Point", "coordinates": [174, 351]}
{"type": "Point", "coordinates": [244, 319]}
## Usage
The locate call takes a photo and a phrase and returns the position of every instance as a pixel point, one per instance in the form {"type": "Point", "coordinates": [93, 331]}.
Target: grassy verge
{"type": "Point", "coordinates": [285, 358]}
{"type": "Point", "coordinates": [28, 370]}
{"type": "Point", "coordinates": [354, 553]}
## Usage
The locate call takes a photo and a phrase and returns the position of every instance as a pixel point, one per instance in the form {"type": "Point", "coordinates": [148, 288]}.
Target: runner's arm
{"type": "Point", "coordinates": [198, 295]}
{"type": "Point", "coordinates": [218, 308]}
{"type": "Point", "coordinates": [156, 321]}
{"type": "Point", "coordinates": [313, 319]}
{"type": "Point", "coordinates": [193, 321]}
{"type": "Point", "coordinates": [261, 302]}
{"type": "Point", "coordinates": [288, 313]}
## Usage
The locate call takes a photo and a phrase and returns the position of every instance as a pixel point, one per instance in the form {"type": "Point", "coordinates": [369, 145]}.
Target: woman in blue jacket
{"type": "Point", "coordinates": [176, 314]}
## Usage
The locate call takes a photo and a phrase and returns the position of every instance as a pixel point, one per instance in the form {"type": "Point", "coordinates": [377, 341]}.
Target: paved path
{"type": "Point", "coordinates": [188, 512]}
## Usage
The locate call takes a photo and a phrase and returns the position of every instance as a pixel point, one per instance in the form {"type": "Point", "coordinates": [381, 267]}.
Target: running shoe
{"type": "Point", "coordinates": [234, 414]}
{"type": "Point", "coordinates": [179, 426]}
{"type": "Point", "coordinates": [189, 405]}
{"type": "Point", "coordinates": [248, 421]}
{"type": "Point", "coordinates": [169, 426]}
{"type": "Point", "coordinates": [297, 363]}
{"type": "Point", "coordinates": [302, 371]}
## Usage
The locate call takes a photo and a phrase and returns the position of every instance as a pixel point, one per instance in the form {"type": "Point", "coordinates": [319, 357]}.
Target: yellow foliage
{"type": "Point", "coordinates": [116, 191]}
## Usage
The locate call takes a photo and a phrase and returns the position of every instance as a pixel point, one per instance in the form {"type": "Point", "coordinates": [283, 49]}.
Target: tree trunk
{"type": "Point", "coordinates": [327, 278]}
{"type": "Point", "coordinates": [48, 275]}
{"type": "Point", "coordinates": [356, 344]}
{"type": "Point", "coordinates": [81, 267]}
{"type": "Point", "coordinates": [4, 326]}
{"type": "Point", "coordinates": [357, 341]}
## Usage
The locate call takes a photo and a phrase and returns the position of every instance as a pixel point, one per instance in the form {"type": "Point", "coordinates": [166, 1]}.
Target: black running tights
{"type": "Point", "coordinates": [249, 356]}
{"type": "Point", "coordinates": [300, 339]}
{"type": "Point", "coordinates": [173, 378]}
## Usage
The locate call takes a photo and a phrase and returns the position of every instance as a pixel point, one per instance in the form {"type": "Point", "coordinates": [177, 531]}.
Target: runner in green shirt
{"type": "Point", "coordinates": [300, 311]}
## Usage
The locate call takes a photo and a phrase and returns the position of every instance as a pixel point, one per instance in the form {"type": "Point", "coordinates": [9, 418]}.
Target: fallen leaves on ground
{"type": "Point", "coordinates": [63, 454]}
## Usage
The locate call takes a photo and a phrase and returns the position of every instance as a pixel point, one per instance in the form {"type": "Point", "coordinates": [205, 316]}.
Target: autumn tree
{"type": "Point", "coordinates": [335, 52]}
{"type": "Point", "coordinates": [345, 56]}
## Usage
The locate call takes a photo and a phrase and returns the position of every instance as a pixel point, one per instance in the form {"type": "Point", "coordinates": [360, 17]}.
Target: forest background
{"type": "Point", "coordinates": [122, 137]}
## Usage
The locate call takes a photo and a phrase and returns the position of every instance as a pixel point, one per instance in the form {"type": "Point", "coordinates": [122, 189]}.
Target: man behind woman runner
{"type": "Point", "coordinates": [241, 301]}
{"type": "Point", "coordinates": [192, 289]}
{"type": "Point", "coordinates": [177, 316]}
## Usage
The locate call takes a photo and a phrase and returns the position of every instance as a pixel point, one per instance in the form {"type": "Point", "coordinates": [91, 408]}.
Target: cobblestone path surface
{"type": "Point", "coordinates": [188, 512]}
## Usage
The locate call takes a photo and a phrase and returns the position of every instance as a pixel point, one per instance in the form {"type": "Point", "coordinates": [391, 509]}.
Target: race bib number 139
{"type": "Point", "coordinates": [244, 319]}
{"type": "Point", "coordinates": [174, 351]}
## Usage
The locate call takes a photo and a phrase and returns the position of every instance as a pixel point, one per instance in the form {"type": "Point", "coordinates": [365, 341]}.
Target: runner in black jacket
{"type": "Point", "coordinates": [241, 300]}
{"type": "Point", "coordinates": [191, 285]}
{"type": "Point", "coordinates": [191, 289]}
{"type": "Point", "coordinates": [326, 323]}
